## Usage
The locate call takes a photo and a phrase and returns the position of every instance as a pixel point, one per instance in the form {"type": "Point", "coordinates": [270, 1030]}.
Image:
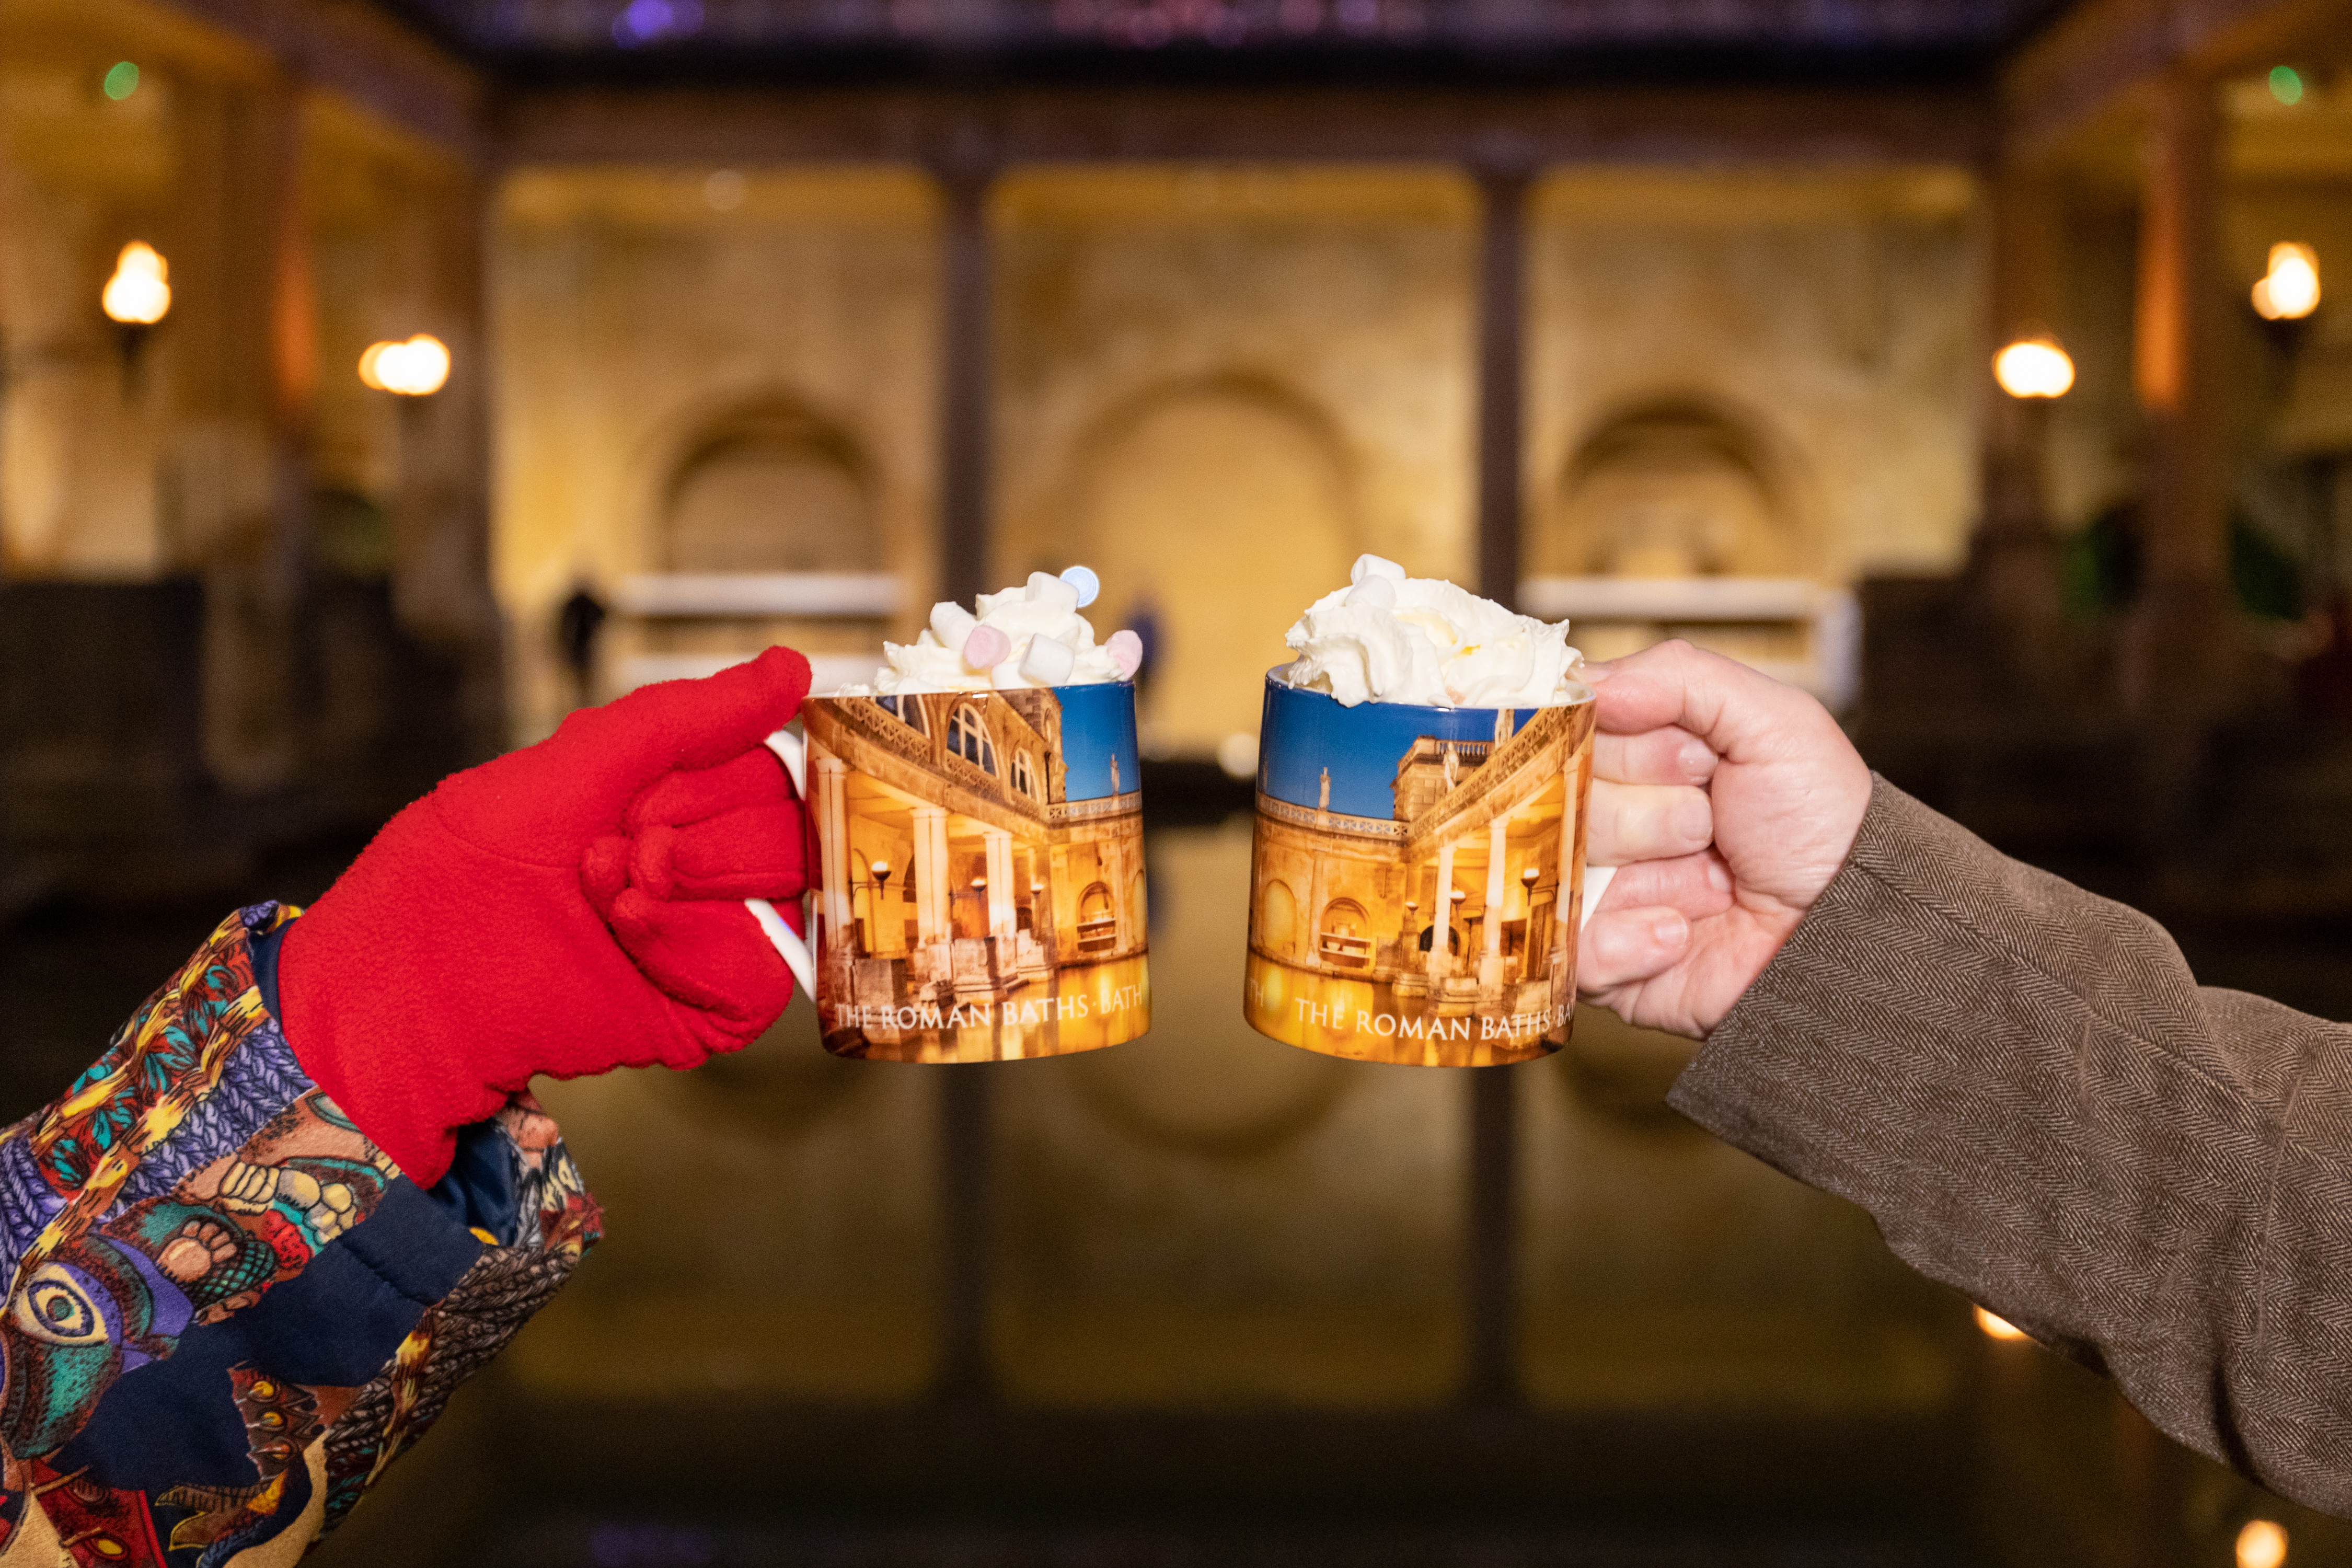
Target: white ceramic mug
{"type": "Point", "coordinates": [792, 752]}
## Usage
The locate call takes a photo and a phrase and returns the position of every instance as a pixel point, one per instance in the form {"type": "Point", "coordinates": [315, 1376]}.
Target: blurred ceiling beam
{"type": "Point", "coordinates": [1938, 125]}
{"type": "Point", "coordinates": [357, 52]}
{"type": "Point", "coordinates": [2107, 57]}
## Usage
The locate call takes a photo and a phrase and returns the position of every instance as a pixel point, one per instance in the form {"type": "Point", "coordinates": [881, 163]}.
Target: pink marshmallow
{"type": "Point", "coordinates": [1126, 650]}
{"type": "Point", "coordinates": [986, 647]}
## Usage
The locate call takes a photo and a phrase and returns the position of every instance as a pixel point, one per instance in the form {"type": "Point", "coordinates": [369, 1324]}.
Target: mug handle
{"type": "Point", "coordinates": [792, 752]}
{"type": "Point", "coordinates": [1596, 887]}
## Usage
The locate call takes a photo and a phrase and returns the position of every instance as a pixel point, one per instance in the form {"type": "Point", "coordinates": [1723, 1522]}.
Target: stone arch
{"type": "Point", "coordinates": [1678, 485]}
{"type": "Point", "coordinates": [766, 485]}
{"type": "Point", "coordinates": [1277, 918]}
{"type": "Point", "coordinates": [1344, 935]}
{"type": "Point", "coordinates": [1173, 491]}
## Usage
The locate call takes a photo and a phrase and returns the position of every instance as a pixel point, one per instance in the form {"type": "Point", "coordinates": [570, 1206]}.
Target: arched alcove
{"type": "Point", "coordinates": [1277, 918]}
{"type": "Point", "coordinates": [1344, 935]}
{"type": "Point", "coordinates": [1218, 510]}
{"type": "Point", "coordinates": [769, 488]}
{"type": "Point", "coordinates": [1675, 488]}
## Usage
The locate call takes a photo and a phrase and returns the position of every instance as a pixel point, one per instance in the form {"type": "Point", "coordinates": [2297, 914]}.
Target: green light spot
{"type": "Point", "coordinates": [2286, 84]}
{"type": "Point", "coordinates": [123, 81]}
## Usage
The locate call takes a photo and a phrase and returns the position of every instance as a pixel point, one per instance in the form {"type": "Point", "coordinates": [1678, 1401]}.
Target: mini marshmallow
{"type": "Point", "coordinates": [951, 623]}
{"type": "Point", "coordinates": [1371, 592]}
{"type": "Point", "coordinates": [1046, 589]}
{"type": "Point", "coordinates": [1126, 649]}
{"type": "Point", "coordinates": [1369, 565]}
{"type": "Point", "coordinates": [1048, 661]}
{"type": "Point", "coordinates": [986, 647]}
{"type": "Point", "coordinates": [1083, 579]}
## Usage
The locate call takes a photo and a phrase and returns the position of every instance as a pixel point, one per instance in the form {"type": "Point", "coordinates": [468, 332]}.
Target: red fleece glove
{"type": "Point", "coordinates": [568, 908]}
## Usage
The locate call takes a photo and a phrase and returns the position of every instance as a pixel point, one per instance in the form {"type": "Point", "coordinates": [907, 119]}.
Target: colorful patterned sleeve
{"type": "Point", "coordinates": [228, 1311]}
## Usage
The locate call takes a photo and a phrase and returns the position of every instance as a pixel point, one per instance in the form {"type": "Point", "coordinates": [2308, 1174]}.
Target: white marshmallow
{"type": "Point", "coordinates": [951, 623]}
{"type": "Point", "coordinates": [1048, 662]}
{"type": "Point", "coordinates": [1369, 565]}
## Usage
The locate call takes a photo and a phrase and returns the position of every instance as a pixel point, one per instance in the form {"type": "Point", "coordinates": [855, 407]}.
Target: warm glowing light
{"type": "Point", "coordinates": [2290, 289]}
{"type": "Point", "coordinates": [2286, 85]}
{"type": "Point", "coordinates": [2261, 1544]}
{"type": "Point", "coordinates": [1997, 1328]}
{"type": "Point", "coordinates": [2033, 367]}
{"type": "Point", "coordinates": [417, 368]}
{"type": "Point", "coordinates": [139, 292]}
{"type": "Point", "coordinates": [121, 82]}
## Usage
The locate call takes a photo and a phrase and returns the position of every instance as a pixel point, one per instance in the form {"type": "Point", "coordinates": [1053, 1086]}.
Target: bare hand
{"type": "Point", "coordinates": [1730, 801]}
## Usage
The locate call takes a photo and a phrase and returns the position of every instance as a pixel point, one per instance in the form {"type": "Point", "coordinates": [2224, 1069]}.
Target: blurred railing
{"type": "Point", "coordinates": [735, 597]}
{"type": "Point", "coordinates": [1824, 621]}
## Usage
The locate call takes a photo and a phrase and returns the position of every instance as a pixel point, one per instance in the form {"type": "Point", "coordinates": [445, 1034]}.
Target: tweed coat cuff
{"type": "Point", "coordinates": [2026, 1087]}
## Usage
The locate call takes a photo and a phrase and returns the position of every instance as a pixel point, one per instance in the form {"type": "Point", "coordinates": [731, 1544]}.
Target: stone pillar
{"type": "Point", "coordinates": [1441, 915]}
{"type": "Point", "coordinates": [2184, 594]}
{"type": "Point", "coordinates": [966, 386]}
{"type": "Point", "coordinates": [835, 920]}
{"type": "Point", "coordinates": [1490, 962]}
{"type": "Point", "coordinates": [930, 874]}
{"type": "Point", "coordinates": [1001, 922]}
{"type": "Point", "coordinates": [242, 467]}
{"type": "Point", "coordinates": [2013, 557]}
{"type": "Point", "coordinates": [1501, 379]}
{"type": "Point", "coordinates": [440, 519]}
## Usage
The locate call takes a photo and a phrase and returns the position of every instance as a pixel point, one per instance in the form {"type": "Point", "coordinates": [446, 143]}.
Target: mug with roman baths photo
{"type": "Point", "coordinates": [1417, 878]}
{"type": "Point", "coordinates": [980, 826]}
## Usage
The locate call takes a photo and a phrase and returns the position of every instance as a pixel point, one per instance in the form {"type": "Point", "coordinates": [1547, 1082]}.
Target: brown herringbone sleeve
{"type": "Point", "coordinates": [2027, 1088]}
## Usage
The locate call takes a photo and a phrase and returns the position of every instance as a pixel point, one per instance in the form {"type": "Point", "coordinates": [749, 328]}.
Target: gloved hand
{"type": "Point", "coordinates": [568, 908]}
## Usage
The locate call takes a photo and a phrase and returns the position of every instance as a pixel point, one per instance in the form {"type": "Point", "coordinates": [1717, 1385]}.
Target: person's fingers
{"type": "Point", "coordinates": [755, 778]}
{"type": "Point", "coordinates": [710, 957]}
{"type": "Point", "coordinates": [1669, 755]}
{"type": "Point", "coordinates": [1628, 823]}
{"type": "Point", "coordinates": [755, 853]}
{"type": "Point", "coordinates": [1695, 885]}
{"type": "Point", "coordinates": [604, 872]}
{"type": "Point", "coordinates": [1736, 711]}
{"type": "Point", "coordinates": [1620, 947]}
{"type": "Point", "coordinates": [615, 750]}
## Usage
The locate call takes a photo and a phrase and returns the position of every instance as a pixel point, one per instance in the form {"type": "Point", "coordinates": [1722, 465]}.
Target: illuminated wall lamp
{"type": "Point", "coordinates": [2290, 290]}
{"type": "Point", "coordinates": [139, 292]}
{"type": "Point", "coordinates": [2035, 367]}
{"type": "Point", "coordinates": [417, 368]}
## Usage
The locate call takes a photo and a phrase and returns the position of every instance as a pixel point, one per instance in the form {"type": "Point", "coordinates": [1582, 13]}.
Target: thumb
{"type": "Point", "coordinates": [674, 725]}
{"type": "Point", "coordinates": [548, 803]}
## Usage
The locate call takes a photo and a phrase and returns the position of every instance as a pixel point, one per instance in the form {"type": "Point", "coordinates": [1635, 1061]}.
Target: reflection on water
{"type": "Point", "coordinates": [1368, 1020]}
{"type": "Point", "coordinates": [1074, 1008]}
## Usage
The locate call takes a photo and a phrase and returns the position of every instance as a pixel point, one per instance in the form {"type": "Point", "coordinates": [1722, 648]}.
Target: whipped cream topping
{"type": "Point", "coordinates": [1388, 638]}
{"type": "Point", "coordinates": [1028, 635]}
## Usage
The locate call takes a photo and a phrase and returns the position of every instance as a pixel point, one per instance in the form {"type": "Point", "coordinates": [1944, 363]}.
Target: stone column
{"type": "Point", "coordinates": [2013, 556]}
{"type": "Point", "coordinates": [1001, 922]}
{"type": "Point", "coordinates": [440, 520]}
{"type": "Point", "coordinates": [834, 918]}
{"type": "Point", "coordinates": [965, 380]}
{"type": "Point", "coordinates": [930, 874]}
{"type": "Point", "coordinates": [243, 467]}
{"type": "Point", "coordinates": [1441, 915]}
{"type": "Point", "coordinates": [2184, 594]}
{"type": "Point", "coordinates": [1490, 962]}
{"type": "Point", "coordinates": [1501, 371]}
